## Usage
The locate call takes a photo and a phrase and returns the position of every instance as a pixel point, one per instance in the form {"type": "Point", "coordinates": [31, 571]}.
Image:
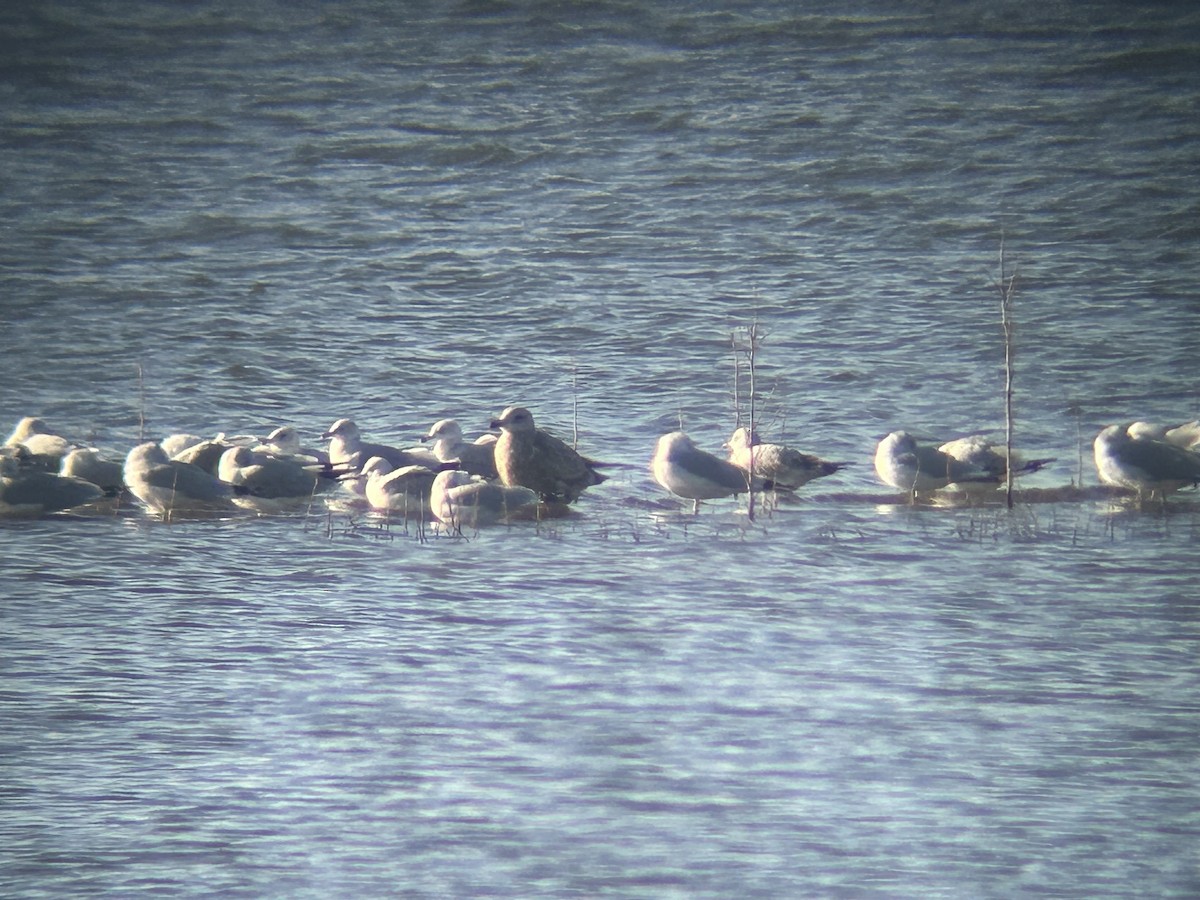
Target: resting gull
{"type": "Point", "coordinates": [977, 452]}
{"type": "Point", "coordinates": [285, 441]}
{"type": "Point", "coordinates": [460, 500]}
{"type": "Point", "coordinates": [88, 464]}
{"type": "Point", "coordinates": [45, 448]}
{"type": "Point", "coordinates": [1146, 465]}
{"type": "Point", "coordinates": [174, 444]}
{"type": "Point", "coordinates": [169, 486]}
{"type": "Point", "coordinates": [266, 477]}
{"type": "Point", "coordinates": [1186, 435]}
{"type": "Point", "coordinates": [528, 457]}
{"type": "Point", "coordinates": [346, 447]}
{"type": "Point", "coordinates": [916, 468]}
{"type": "Point", "coordinates": [404, 489]}
{"type": "Point", "coordinates": [689, 472]}
{"type": "Point", "coordinates": [32, 492]}
{"type": "Point", "coordinates": [786, 467]}
{"type": "Point", "coordinates": [205, 455]}
{"type": "Point", "coordinates": [448, 444]}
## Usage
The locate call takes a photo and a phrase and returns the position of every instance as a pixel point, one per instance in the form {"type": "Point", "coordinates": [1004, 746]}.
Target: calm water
{"type": "Point", "coordinates": [399, 212]}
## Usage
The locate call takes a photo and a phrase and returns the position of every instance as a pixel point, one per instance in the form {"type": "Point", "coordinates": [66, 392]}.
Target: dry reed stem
{"type": "Point", "coordinates": [1007, 286]}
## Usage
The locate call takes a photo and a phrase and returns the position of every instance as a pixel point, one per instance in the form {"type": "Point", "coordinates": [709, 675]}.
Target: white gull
{"type": "Point", "coordinates": [44, 447]}
{"type": "Point", "coordinates": [460, 500]}
{"type": "Point", "coordinates": [285, 441]}
{"type": "Point", "coordinates": [1146, 465]}
{"type": "Point", "coordinates": [33, 492]}
{"type": "Point", "coordinates": [169, 486]}
{"type": "Point", "coordinates": [260, 476]}
{"type": "Point", "coordinates": [346, 447]}
{"type": "Point", "coordinates": [405, 489]}
{"type": "Point", "coordinates": [1186, 435]}
{"type": "Point", "coordinates": [694, 474]}
{"type": "Point", "coordinates": [990, 460]}
{"type": "Point", "coordinates": [88, 464]}
{"type": "Point", "coordinates": [449, 444]}
{"type": "Point", "coordinates": [916, 468]}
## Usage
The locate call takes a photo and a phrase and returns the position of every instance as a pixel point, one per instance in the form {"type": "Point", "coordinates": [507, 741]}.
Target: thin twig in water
{"type": "Point", "coordinates": [574, 406]}
{"type": "Point", "coordinates": [1007, 286]}
{"type": "Point", "coordinates": [141, 404]}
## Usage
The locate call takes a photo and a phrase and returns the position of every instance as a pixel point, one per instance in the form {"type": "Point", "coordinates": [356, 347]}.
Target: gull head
{"type": "Point", "coordinates": [515, 418]}
{"type": "Point", "coordinates": [444, 430]}
{"type": "Point", "coordinates": [343, 428]}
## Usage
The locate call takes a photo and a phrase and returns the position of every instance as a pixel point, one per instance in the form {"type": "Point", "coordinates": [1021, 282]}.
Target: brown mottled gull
{"type": "Point", "coordinates": [787, 467]}
{"type": "Point", "coordinates": [528, 457]}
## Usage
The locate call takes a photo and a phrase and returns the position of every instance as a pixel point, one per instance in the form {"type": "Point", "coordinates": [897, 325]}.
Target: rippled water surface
{"type": "Point", "coordinates": [228, 217]}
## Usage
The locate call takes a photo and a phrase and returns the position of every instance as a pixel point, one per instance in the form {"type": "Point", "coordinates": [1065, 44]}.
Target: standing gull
{"type": "Point", "coordinates": [1146, 465]}
{"type": "Point", "coordinates": [689, 472]}
{"type": "Point", "coordinates": [448, 444]}
{"type": "Point", "coordinates": [529, 457]}
{"type": "Point", "coordinates": [786, 467]}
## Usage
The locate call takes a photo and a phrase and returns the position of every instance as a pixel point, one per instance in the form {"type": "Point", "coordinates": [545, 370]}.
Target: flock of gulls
{"type": "Point", "coordinates": [517, 470]}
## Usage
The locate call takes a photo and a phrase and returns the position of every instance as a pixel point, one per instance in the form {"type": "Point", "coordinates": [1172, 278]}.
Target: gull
{"type": "Point", "coordinates": [169, 486]}
{"type": "Point", "coordinates": [979, 453]}
{"type": "Point", "coordinates": [448, 444]}
{"type": "Point", "coordinates": [346, 447]}
{"type": "Point", "coordinates": [206, 454]}
{"type": "Point", "coordinates": [266, 477]}
{"type": "Point", "coordinates": [689, 472]}
{"type": "Point", "coordinates": [528, 457]}
{"type": "Point", "coordinates": [45, 448]}
{"type": "Point", "coordinates": [285, 441]}
{"type": "Point", "coordinates": [175, 444]}
{"type": "Point", "coordinates": [1146, 465]}
{"type": "Point", "coordinates": [33, 492]}
{"type": "Point", "coordinates": [786, 467]}
{"type": "Point", "coordinates": [460, 500]}
{"type": "Point", "coordinates": [88, 464]}
{"type": "Point", "coordinates": [1186, 435]}
{"type": "Point", "coordinates": [405, 489]}
{"type": "Point", "coordinates": [914, 468]}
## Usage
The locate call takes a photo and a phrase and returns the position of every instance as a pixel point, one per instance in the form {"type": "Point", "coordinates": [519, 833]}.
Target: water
{"type": "Point", "coordinates": [289, 214]}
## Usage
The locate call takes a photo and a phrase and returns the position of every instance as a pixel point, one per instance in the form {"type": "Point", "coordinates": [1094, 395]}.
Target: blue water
{"type": "Point", "coordinates": [229, 217]}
